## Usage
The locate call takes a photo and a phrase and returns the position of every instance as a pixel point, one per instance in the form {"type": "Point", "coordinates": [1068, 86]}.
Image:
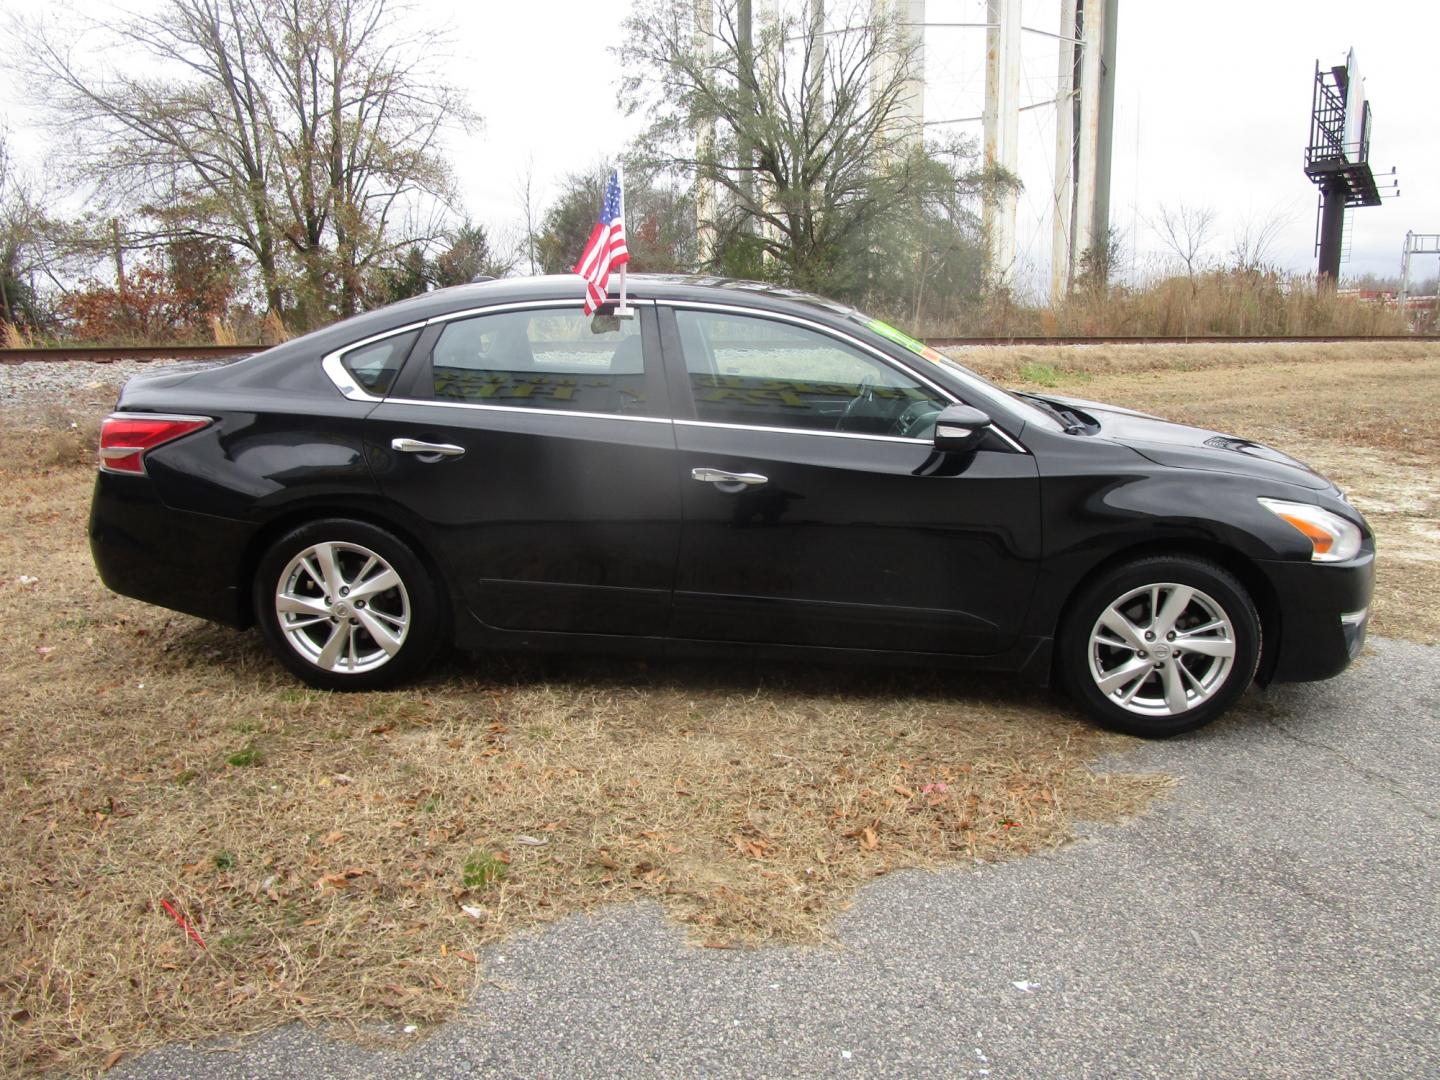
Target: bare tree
{"type": "Point", "coordinates": [1185, 231]}
{"type": "Point", "coordinates": [525, 188]}
{"type": "Point", "coordinates": [303, 132]}
{"type": "Point", "coordinates": [1254, 240]}
{"type": "Point", "coordinates": [808, 149]}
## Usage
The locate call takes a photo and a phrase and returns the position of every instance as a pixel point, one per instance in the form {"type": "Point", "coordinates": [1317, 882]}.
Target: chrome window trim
{"type": "Point", "coordinates": [836, 434]}
{"type": "Point", "coordinates": [523, 409]}
{"type": "Point", "coordinates": [332, 365]}
{"type": "Point", "coordinates": [805, 431]}
{"type": "Point", "coordinates": [818, 327]}
{"type": "Point", "coordinates": [830, 331]}
{"type": "Point", "coordinates": [518, 305]}
{"type": "Point", "coordinates": [343, 381]}
{"type": "Point", "coordinates": [334, 368]}
{"type": "Point", "coordinates": [1008, 438]}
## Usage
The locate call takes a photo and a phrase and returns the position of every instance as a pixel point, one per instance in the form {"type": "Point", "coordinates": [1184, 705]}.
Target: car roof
{"type": "Point", "coordinates": [571, 286]}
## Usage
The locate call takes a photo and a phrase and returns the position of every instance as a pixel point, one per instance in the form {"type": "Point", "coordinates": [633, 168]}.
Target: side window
{"type": "Point", "coordinates": [375, 366]}
{"type": "Point", "coordinates": [551, 358]}
{"type": "Point", "coordinates": [749, 370]}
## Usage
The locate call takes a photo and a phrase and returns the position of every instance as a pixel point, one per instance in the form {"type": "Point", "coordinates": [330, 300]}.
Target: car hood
{"type": "Point", "coordinates": [1181, 446]}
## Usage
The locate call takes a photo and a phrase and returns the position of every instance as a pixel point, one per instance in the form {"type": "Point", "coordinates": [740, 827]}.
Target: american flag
{"type": "Point", "coordinates": [605, 249]}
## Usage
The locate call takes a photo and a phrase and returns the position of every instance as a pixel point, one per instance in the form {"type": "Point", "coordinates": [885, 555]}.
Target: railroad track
{"type": "Point", "coordinates": [107, 354]}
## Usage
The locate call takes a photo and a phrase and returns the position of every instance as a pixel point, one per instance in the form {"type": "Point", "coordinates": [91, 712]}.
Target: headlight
{"type": "Point", "coordinates": [1332, 537]}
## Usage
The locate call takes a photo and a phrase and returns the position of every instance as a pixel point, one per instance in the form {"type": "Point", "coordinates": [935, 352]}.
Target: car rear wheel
{"type": "Point", "coordinates": [346, 605]}
{"type": "Point", "coordinates": [1160, 646]}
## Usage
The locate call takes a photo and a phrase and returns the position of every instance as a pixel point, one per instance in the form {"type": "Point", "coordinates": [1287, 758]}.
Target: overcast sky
{"type": "Point", "coordinates": [1212, 109]}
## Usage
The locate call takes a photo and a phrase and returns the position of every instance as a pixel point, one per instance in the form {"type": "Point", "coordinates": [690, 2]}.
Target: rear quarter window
{"type": "Point", "coordinates": [376, 365]}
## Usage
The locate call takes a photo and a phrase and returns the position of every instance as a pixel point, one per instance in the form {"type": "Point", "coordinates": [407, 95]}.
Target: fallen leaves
{"type": "Point", "coordinates": [339, 880]}
{"type": "Point", "coordinates": [752, 848]}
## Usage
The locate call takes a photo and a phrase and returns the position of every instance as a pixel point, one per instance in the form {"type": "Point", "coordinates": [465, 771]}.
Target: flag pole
{"type": "Point", "coordinates": [623, 311]}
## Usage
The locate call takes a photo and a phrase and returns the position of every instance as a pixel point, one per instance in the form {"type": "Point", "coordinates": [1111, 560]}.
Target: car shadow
{"type": "Point", "coordinates": [200, 644]}
{"type": "Point", "coordinates": [796, 677]}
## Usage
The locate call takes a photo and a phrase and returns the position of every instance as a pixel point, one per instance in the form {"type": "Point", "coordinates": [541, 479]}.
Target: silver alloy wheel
{"type": "Point", "coordinates": [342, 607]}
{"type": "Point", "coordinates": [1162, 649]}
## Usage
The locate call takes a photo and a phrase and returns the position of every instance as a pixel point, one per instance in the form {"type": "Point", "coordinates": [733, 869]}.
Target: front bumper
{"type": "Point", "coordinates": [1323, 615]}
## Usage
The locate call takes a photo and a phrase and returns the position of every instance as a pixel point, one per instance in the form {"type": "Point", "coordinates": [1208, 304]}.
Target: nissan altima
{"type": "Point", "coordinates": [723, 469]}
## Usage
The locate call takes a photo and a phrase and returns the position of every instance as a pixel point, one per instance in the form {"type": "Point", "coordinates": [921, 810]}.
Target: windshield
{"type": "Point", "coordinates": [1029, 411]}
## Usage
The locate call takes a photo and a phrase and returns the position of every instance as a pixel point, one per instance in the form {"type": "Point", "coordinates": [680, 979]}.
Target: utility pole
{"type": "Point", "coordinates": [1105, 137]}
{"type": "Point", "coordinates": [815, 53]}
{"type": "Point", "coordinates": [1002, 129]}
{"type": "Point", "coordinates": [907, 123]}
{"type": "Point", "coordinates": [1405, 272]}
{"type": "Point", "coordinates": [913, 106]}
{"type": "Point", "coordinates": [1090, 19]}
{"type": "Point", "coordinates": [1061, 260]}
{"type": "Point", "coordinates": [746, 164]}
{"type": "Point", "coordinates": [705, 203]}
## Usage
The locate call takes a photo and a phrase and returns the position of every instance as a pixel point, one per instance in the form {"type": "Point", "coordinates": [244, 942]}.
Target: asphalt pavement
{"type": "Point", "coordinates": [1276, 916]}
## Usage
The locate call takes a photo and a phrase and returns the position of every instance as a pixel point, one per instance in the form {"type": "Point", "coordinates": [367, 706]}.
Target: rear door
{"type": "Point", "coordinates": [816, 510]}
{"type": "Point", "coordinates": [533, 442]}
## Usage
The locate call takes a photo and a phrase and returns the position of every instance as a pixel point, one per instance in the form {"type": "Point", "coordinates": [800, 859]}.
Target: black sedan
{"type": "Point", "coordinates": [723, 468]}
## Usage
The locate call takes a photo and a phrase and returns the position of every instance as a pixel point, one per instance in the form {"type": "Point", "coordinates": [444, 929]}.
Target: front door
{"type": "Point", "coordinates": [533, 441]}
{"type": "Point", "coordinates": [816, 510]}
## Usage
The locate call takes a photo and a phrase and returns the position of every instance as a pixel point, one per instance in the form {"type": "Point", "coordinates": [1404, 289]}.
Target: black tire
{"type": "Point", "coordinates": [410, 615]}
{"type": "Point", "coordinates": [1149, 670]}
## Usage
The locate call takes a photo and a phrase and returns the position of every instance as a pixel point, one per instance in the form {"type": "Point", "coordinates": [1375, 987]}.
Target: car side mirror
{"type": "Point", "coordinates": [960, 427]}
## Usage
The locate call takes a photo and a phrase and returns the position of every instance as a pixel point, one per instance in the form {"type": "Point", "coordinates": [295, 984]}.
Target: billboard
{"type": "Point", "coordinates": [1353, 141]}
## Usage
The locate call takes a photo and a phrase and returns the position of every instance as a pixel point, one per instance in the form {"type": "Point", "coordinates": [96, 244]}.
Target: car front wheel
{"type": "Point", "coordinates": [1160, 646]}
{"type": "Point", "coordinates": [346, 605]}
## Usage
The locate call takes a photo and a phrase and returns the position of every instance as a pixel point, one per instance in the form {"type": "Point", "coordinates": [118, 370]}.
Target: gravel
{"type": "Point", "coordinates": [75, 383]}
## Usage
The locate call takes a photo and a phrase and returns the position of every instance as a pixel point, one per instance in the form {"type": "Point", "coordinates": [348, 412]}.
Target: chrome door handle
{"type": "Point", "coordinates": [730, 482]}
{"type": "Point", "coordinates": [428, 451]}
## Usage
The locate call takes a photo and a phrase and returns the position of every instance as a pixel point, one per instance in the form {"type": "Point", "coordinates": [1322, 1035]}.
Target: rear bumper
{"type": "Point", "coordinates": [146, 550]}
{"type": "Point", "coordinates": [1324, 615]}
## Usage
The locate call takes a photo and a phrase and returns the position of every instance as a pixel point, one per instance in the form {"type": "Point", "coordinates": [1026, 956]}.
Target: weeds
{"type": "Point", "coordinates": [1049, 375]}
{"type": "Point", "coordinates": [1041, 374]}
{"type": "Point", "coordinates": [244, 759]}
{"type": "Point", "coordinates": [482, 870]}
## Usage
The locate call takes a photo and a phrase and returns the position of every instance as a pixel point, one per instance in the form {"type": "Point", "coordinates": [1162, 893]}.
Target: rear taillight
{"type": "Point", "coordinates": [126, 437]}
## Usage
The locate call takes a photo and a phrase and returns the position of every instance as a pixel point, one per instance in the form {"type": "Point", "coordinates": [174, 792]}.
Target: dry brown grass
{"type": "Point", "coordinates": [319, 843]}
{"type": "Point", "coordinates": [1362, 413]}
{"type": "Point", "coordinates": [1215, 302]}
{"type": "Point", "coordinates": [273, 330]}
{"type": "Point", "coordinates": [1007, 363]}
{"type": "Point", "coordinates": [222, 332]}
